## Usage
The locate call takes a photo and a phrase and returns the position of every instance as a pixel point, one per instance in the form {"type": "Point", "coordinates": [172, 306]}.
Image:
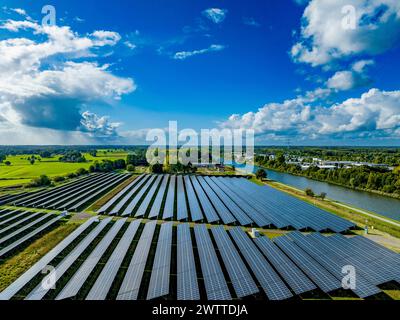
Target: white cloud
{"type": "Point", "coordinates": [106, 38]}
{"type": "Point", "coordinates": [20, 11]}
{"type": "Point", "coordinates": [249, 21]}
{"type": "Point", "coordinates": [43, 87]}
{"type": "Point", "coordinates": [324, 40]}
{"type": "Point", "coordinates": [375, 113]}
{"type": "Point", "coordinates": [350, 79]}
{"type": "Point", "coordinates": [99, 126]}
{"type": "Point", "coordinates": [130, 45]}
{"type": "Point", "coordinates": [216, 15]}
{"type": "Point", "coordinates": [182, 55]}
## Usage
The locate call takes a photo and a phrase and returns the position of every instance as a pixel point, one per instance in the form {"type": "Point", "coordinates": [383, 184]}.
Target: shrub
{"type": "Point", "coordinates": [309, 192]}
{"type": "Point", "coordinates": [130, 168]}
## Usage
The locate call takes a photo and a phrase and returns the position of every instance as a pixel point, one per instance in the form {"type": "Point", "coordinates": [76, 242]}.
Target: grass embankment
{"type": "Point", "coordinates": [13, 267]}
{"type": "Point", "coordinates": [335, 208]}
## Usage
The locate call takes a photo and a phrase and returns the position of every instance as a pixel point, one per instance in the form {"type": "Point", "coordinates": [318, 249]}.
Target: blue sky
{"type": "Point", "coordinates": [270, 66]}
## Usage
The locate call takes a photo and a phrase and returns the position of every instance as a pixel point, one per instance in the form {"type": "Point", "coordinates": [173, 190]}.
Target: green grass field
{"type": "Point", "coordinates": [21, 171]}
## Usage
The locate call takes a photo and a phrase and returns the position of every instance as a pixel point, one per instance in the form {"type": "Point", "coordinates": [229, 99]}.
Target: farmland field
{"type": "Point", "coordinates": [21, 171]}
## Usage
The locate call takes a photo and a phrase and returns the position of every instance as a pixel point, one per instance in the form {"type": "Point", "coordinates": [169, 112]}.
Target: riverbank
{"type": "Point", "coordinates": [377, 192]}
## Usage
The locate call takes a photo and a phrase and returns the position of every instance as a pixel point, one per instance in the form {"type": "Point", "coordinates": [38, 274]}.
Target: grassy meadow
{"type": "Point", "coordinates": [21, 171]}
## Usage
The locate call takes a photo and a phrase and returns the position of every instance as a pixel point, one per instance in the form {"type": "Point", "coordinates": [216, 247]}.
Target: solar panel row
{"type": "Point", "coordinates": [235, 266]}
{"type": "Point", "coordinates": [230, 200]}
{"type": "Point", "coordinates": [129, 289]}
{"type": "Point", "coordinates": [105, 280]}
{"type": "Point", "coordinates": [194, 206]}
{"type": "Point", "coordinates": [159, 281]}
{"type": "Point", "coordinates": [187, 286]}
{"type": "Point", "coordinates": [17, 285]}
{"type": "Point", "coordinates": [241, 278]}
{"type": "Point", "coordinates": [214, 280]}
{"type": "Point", "coordinates": [156, 207]}
{"type": "Point", "coordinates": [181, 209]}
{"type": "Point", "coordinates": [170, 200]}
{"type": "Point", "coordinates": [73, 195]}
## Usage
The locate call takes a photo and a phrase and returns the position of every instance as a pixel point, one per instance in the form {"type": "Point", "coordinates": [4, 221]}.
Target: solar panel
{"type": "Point", "coordinates": [268, 210]}
{"type": "Point", "coordinates": [159, 280]}
{"type": "Point", "coordinates": [293, 276]}
{"type": "Point", "coordinates": [114, 199]}
{"type": "Point", "coordinates": [214, 280]}
{"type": "Point", "coordinates": [170, 200]}
{"type": "Point", "coordinates": [140, 181]}
{"type": "Point", "coordinates": [363, 287]}
{"type": "Point", "coordinates": [205, 203]}
{"type": "Point", "coordinates": [13, 225]}
{"type": "Point", "coordinates": [238, 213]}
{"type": "Point", "coordinates": [182, 211]}
{"type": "Point", "coordinates": [29, 236]}
{"type": "Point", "coordinates": [223, 211]}
{"type": "Point", "coordinates": [141, 211]}
{"type": "Point", "coordinates": [73, 286]}
{"type": "Point", "coordinates": [251, 210]}
{"type": "Point", "coordinates": [9, 214]}
{"type": "Point", "coordinates": [39, 292]}
{"type": "Point", "coordinates": [52, 201]}
{"type": "Point", "coordinates": [318, 274]}
{"type": "Point", "coordinates": [93, 193]}
{"type": "Point", "coordinates": [106, 278]}
{"type": "Point", "coordinates": [24, 228]}
{"type": "Point", "coordinates": [194, 206]}
{"type": "Point", "coordinates": [137, 198]}
{"type": "Point", "coordinates": [131, 284]}
{"type": "Point", "coordinates": [187, 287]}
{"type": "Point", "coordinates": [241, 279]}
{"type": "Point", "coordinates": [273, 286]}
{"type": "Point", "coordinates": [37, 196]}
{"type": "Point", "coordinates": [18, 284]}
{"type": "Point", "coordinates": [156, 207]}
{"type": "Point", "coordinates": [88, 194]}
{"type": "Point", "coordinates": [363, 259]}
{"type": "Point", "coordinates": [3, 222]}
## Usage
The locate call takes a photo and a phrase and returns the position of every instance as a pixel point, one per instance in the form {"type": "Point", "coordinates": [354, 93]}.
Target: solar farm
{"type": "Point", "coordinates": [185, 237]}
{"type": "Point", "coordinates": [218, 200]}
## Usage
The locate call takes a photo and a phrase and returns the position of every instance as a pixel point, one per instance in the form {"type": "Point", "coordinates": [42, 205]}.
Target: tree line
{"type": "Point", "coordinates": [362, 177]}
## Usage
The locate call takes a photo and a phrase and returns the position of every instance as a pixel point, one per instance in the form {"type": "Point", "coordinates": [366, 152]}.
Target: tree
{"type": "Point", "coordinates": [81, 171]}
{"type": "Point", "coordinates": [32, 161]}
{"type": "Point", "coordinates": [93, 153]}
{"type": "Point", "coordinates": [156, 168]}
{"type": "Point", "coordinates": [309, 192]}
{"type": "Point", "coordinates": [7, 163]}
{"type": "Point", "coordinates": [130, 168]}
{"type": "Point", "coordinates": [45, 154]}
{"type": "Point", "coordinates": [261, 174]}
{"type": "Point", "coordinates": [41, 181]}
{"type": "Point", "coordinates": [58, 179]}
{"type": "Point", "coordinates": [322, 195]}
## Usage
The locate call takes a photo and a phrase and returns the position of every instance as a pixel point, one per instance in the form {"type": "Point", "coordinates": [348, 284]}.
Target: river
{"type": "Point", "coordinates": [385, 206]}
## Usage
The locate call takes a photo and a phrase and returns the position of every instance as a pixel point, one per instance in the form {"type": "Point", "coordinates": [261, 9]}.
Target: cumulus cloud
{"type": "Point", "coordinates": [216, 15]}
{"type": "Point", "coordinates": [375, 113]}
{"type": "Point", "coordinates": [350, 79]}
{"type": "Point", "coordinates": [99, 126]}
{"type": "Point", "coordinates": [324, 39]}
{"type": "Point", "coordinates": [182, 55]}
{"type": "Point", "coordinates": [249, 21]}
{"type": "Point", "coordinates": [43, 87]}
